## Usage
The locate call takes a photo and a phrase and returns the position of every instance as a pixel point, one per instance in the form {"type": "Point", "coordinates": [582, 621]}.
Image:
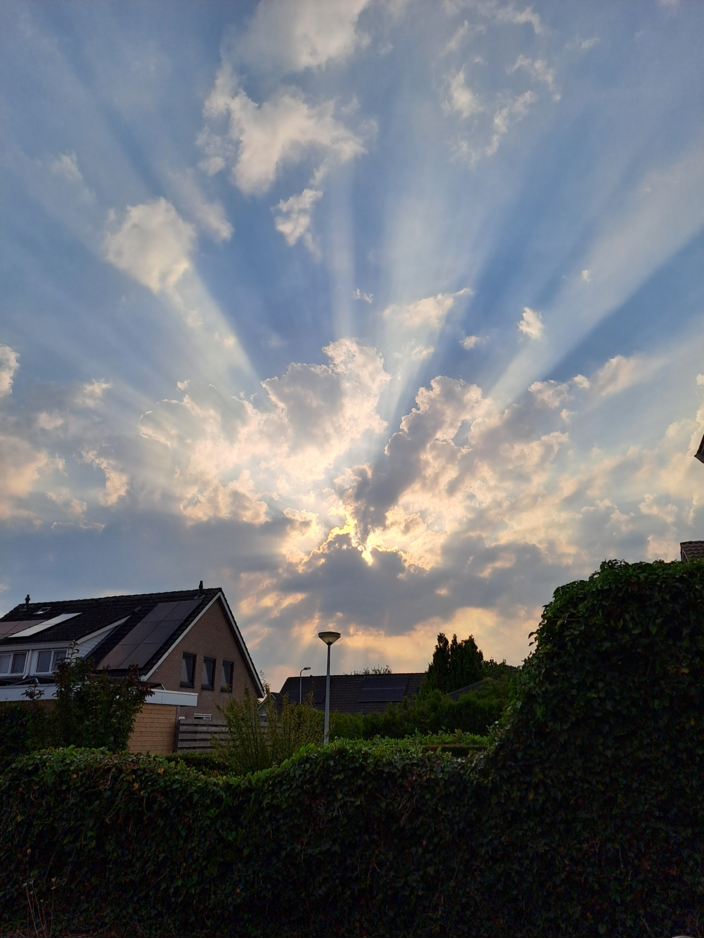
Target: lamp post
{"type": "Point", "coordinates": [328, 638]}
{"type": "Point", "coordinates": [300, 683]}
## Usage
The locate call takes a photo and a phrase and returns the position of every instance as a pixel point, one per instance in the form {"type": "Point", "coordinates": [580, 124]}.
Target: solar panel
{"type": "Point", "coordinates": [383, 688]}
{"type": "Point", "coordinates": [45, 624]}
{"type": "Point", "coordinates": [150, 633]}
{"type": "Point", "coordinates": [10, 626]}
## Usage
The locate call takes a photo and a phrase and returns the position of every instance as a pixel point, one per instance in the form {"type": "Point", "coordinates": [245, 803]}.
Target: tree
{"type": "Point", "coordinates": [93, 709]}
{"type": "Point", "coordinates": [455, 665]}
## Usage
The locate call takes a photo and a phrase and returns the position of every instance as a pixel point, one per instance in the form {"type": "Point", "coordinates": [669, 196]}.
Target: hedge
{"type": "Point", "coordinates": [584, 818]}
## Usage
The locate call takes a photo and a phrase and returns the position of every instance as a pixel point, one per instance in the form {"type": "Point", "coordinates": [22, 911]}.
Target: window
{"type": "Point", "coordinates": [227, 670]}
{"type": "Point", "coordinates": [208, 679]}
{"type": "Point", "coordinates": [188, 670]}
{"type": "Point", "coordinates": [13, 663]}
{"type": "Point", "coordinates": [48, 660]}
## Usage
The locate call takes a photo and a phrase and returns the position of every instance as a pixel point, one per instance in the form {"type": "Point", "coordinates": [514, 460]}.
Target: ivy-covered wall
{"type": "Point", "coordinates": [585, 818]}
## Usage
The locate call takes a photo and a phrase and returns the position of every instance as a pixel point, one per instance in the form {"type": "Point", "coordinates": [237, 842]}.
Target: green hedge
{"type": "Point", "coordinates": [585, 818]}
{"type": "Point", "coordinates": [433, 712]}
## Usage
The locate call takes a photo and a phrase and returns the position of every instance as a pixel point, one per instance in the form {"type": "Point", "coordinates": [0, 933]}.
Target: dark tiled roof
{"type": "Point", "coordinates": [356, 694]}
{"type": "Point", "coordinates": [172, 613]}
{"type": "Point", "coordinates": [691, 550]}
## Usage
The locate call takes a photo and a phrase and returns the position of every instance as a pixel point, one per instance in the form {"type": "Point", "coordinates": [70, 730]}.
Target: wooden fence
{"type": "Point", "coordinates": [197, 734]}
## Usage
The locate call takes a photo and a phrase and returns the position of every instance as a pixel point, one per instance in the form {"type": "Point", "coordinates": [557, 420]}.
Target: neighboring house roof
{"type": "Point", "coordinates": [356, 694]}
{"type": "Point", "coordinates": [691, 550]}
{"type": "Point", "coordinates": [700, 452]}
{"type": "Point", "coordinates": [138, 629]}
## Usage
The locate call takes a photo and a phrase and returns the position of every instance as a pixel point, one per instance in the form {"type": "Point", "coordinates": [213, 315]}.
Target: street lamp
{"type": "Point", "coordinates": [328, 638]}
{"type": "Point", "coordinates": [300, 683]}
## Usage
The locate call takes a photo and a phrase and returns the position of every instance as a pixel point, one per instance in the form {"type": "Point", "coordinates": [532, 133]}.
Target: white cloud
{"type": "Point", "coordinates": [210, 217]}
{"type": "Point", "coordinates": [621, 372]}
{"type": "Point", "coordinates": [552, 394]}
{"type": "Point", "coordinates": [293, 218]}
{"type": "Point", "coordinates": [428, 312]}
{"type": "Point", "coordinates": [460, 97]}
{"type": "Point", "coordinates": [531, 323]}
{"type": "Point", "coordinates": [20, 467]}
{"type": "Point", "coordinates": [505, 116]}
{"type": "Point", "coordinates": [500, 12]}
{"type": "Point", "coordinates": [90, 394]}
{"type": "Point", "coordinates": [9, 363]}
{"type": "Point", "coordinates": [262, 139]}
{"type": "Point", "coordinates": [360, 295]}
{"type": "Point", "coordinates": [116, 482]}
{"type": "Point", "coordinates": [152, 244]}
{"type": "Point", "coordinates": [67, 166]}
{"type": "Point", "coordinates": [700, 381]}
{"type": "Point", "coordinates": [585, 277]}
{"type": "Point", "coordinates": [537, 68]}
{"type": "Point", "coordinates": [289, 37]}
{"type": "Point", "coordinates": [588, 43]}
{"type": "Point", "coordinates": [469, 342]}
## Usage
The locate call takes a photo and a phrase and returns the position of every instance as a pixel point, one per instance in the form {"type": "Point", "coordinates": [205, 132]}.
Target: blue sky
{"type": "Point", "coordinates": [381, 314]}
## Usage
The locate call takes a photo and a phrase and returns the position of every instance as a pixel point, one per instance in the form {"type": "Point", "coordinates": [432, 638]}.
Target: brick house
{"type": "Point", "coordinates": [185, 643]}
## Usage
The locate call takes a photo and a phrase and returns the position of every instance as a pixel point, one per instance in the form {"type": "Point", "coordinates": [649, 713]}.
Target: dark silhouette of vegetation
{"type": "Point", "coordinates": [454, 665]}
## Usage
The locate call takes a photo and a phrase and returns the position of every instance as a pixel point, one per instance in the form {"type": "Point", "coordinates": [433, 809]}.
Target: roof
{"type": "Point", "coordinates": [145, 626]}
{"type": "Point", "coordinates": [356, 694]}
{"type": "Point", "coordinates": [691, 550]}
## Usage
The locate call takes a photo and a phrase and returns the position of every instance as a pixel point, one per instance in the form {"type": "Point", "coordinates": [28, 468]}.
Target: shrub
{"type": "Point", "coordinates": [434, 712]}
{"type": "Point", "coordinates": [585, 816]}
{"type": "Point", "coordinates": [23, 728]}
{"type": "Point", "coordinates": [92, 709]}
{"type": "Point", "coordinates": [254, 744]}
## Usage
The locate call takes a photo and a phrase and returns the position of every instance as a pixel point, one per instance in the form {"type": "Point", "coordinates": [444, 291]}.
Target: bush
{"type": "Point", "coordinates": [433, 712]}
{"type": "Point", "coordinates": [585, 816]}
{"type": "Point", "coordinates": [23, 728]}
{"type": "Point", "coordinates": [253, 744]}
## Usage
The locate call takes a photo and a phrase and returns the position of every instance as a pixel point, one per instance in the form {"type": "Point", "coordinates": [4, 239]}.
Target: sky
{"type": "Point", "coordinates": [383, 315]}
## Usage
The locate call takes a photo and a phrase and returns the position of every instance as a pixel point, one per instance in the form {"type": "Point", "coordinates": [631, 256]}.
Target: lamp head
{"type": "Point", "coordinates": [329, 637]}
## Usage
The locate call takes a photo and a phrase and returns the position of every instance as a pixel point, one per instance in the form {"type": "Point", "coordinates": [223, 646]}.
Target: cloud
{"type": "Point", "coordinates": [116, 482]}
{"type": "Point", "coordinates": [67, 166]}
{"type": "Point", "coordinates": [152, 244]}
{"type": "Point", "coordinates": [500, 12]}
{"type": "Point", "coordinates": [538, 70]}
{"type": "Point", "coordinates": [209, 217]}
{"type": "Point", "coordinates": [531, 323]}
{"type": "Point", "coordinates": [429, 312]}
{"type": "Point", "coordinates": [469, 342]}
{"type": "Point", "coordinates": [552, 394]}
{"type": "Point", "coordinates": [9, 363]}
{"type": "Point", "coordinates": [585, 277]}
{"type": "Point", "coordinates": [360, 295]}
{"type": "Point", "coordinates": [620, 373]}
{"type": "Point", "coordinates": [288, 37]}
{"type": "Point", "coordinates": [262, 139]}
{"type": "Point", "coordinates": [460, 97]}
{"type": "Point", "coordinates": [293, 219]}
{"type": "Point", "coordinates": [90, 394]}
{"type": "Point", "coordinates": [505, 116]}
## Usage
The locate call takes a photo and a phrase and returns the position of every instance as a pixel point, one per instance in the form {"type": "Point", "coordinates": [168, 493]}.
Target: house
{"type": "Point", "coordinates": [185, 643]}
{"type": "Point", "coordinates": [691, 550]}
{"type": "Point", "coordinates": [355, 694]}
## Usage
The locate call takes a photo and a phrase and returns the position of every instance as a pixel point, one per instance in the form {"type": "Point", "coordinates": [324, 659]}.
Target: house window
{"type": "Point", "coordinates": [188, 670]}
{"type": "Point", "coordinates": [48, 660]}
{"type": "Point", "coordinates": [208, 679]}
{"type": "Point", "coordinates": [13, 663]}
{"type": "Point", "coordinates": [227, 671]}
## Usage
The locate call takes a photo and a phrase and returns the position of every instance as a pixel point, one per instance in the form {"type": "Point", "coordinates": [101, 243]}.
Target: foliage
{"type": "Point", "coordinates": [584, 817]}
{"type": "Point", "coordinates": [473, 713]}
{"type": "Point", "coordinates": [260, 736]}
{"type": "Point", "coordinates": [92, 709]}
{"type": "Point", "coordinates": [23, 728]}
{"type": "Point", "coordinates": [454, 665]}
{"type": "Point", "coordinates": [375, 670]}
